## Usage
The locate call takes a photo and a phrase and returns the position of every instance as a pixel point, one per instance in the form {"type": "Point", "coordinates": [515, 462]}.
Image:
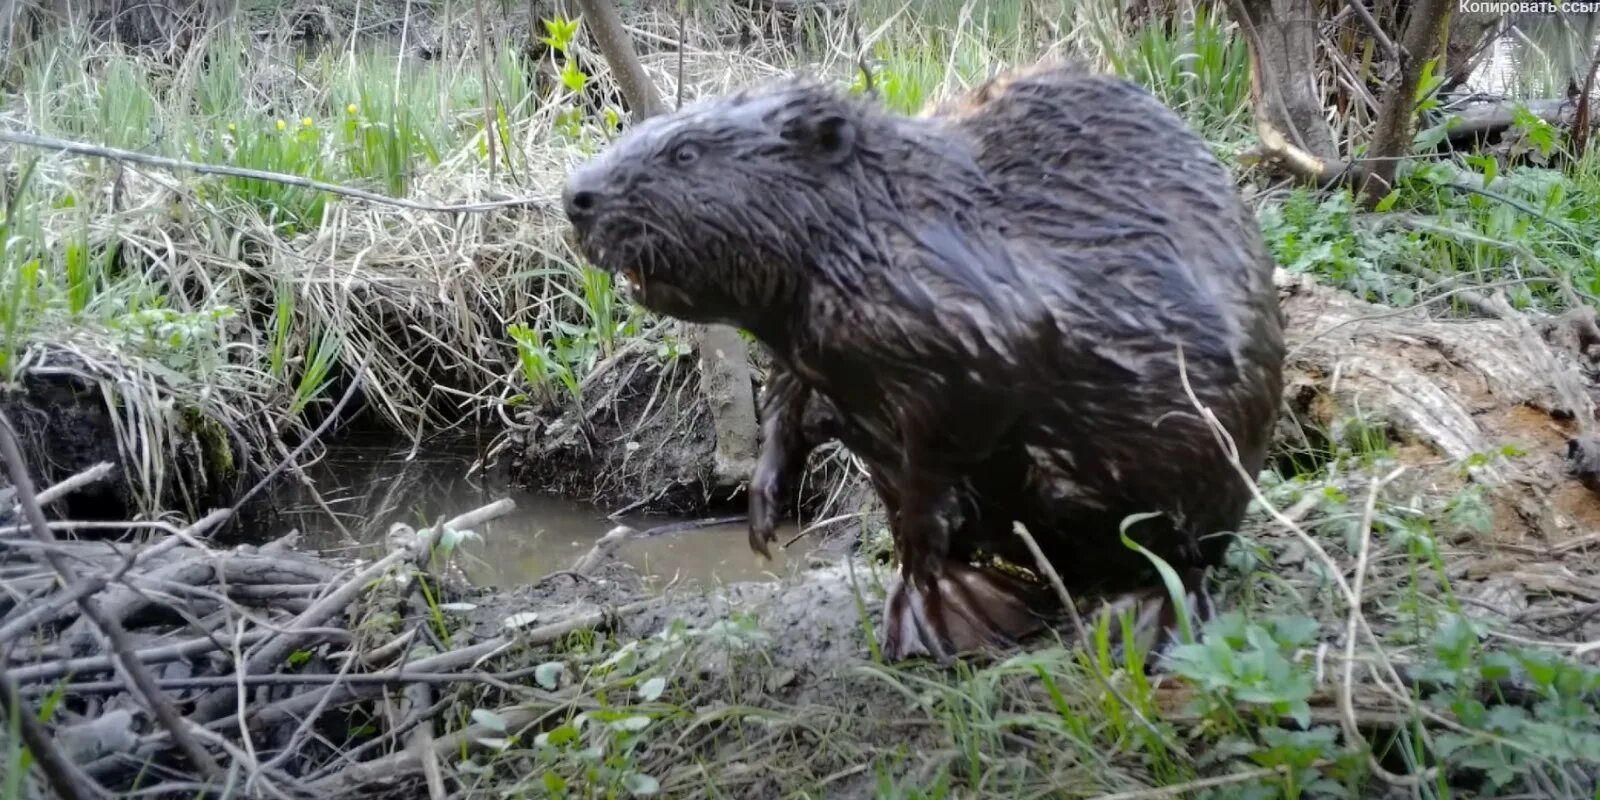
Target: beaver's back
{"type": "Point", "coordinates": [1134, 238]}
{"type": "Point", "coordinates": [1097, 164]}
{"type": "Point", "coordinates": [1123, 216]}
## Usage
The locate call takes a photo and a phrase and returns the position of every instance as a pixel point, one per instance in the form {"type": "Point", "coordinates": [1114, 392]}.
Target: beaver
{"type": "Point", "coordinates": [996, 303]}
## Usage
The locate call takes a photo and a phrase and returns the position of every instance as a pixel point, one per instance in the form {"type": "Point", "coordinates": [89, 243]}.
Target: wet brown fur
{"type": "Point", "coordinates": [984, 304]}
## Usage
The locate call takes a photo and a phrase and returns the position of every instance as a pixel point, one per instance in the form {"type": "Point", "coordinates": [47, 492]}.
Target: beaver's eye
{"type": "Point", "coordinates": [686, 154]}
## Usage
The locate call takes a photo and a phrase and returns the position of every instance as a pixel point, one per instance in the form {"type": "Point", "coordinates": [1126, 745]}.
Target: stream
{"type": "Point", "coordinates": [369, 481]}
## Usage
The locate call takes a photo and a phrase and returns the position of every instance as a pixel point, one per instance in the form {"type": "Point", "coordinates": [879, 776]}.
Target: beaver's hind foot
{"type": "Point", "coordinates": [1154, 628]}
{"type": "Point", "coordinates": [958, 609]}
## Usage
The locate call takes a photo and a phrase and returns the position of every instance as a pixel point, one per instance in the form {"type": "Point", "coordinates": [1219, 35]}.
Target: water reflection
{"type": "Point", "coordinates": [1536, 57]}
{"type": "Point", "coordinates": [369, 481]}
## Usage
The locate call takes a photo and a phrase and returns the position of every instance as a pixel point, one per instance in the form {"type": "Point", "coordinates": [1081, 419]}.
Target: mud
{"type": "Point", "coordinates": [69, 417]}
{"type": "Point", "coordinates": [644, 441]}
{"type": "Point", "coordinates": [64, 428]}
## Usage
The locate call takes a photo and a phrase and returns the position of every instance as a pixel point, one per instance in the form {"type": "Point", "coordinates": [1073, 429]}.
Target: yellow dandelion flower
{"type": "Point", "coordinates": [306, 121]}
{"type": "Point", "coordinates": [282, 125]}
{"type": "Point", "coordinates": [232, 127]}
{"type": "Point", "coordinates": [350, 109]}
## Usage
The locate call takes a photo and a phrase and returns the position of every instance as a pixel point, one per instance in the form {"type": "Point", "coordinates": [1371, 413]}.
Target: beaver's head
{"type": "Point", "coordinates": [715, 213]}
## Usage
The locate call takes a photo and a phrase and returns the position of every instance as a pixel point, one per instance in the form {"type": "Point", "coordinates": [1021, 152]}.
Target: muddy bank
{"type": "Point", "coordinates": [642, 439]}
{"type": "Point", "coordinates": [71, 413]}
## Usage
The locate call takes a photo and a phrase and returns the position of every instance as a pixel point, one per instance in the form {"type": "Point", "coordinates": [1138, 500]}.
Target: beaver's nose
{"type": "Point", "coordinates": [582, 195]}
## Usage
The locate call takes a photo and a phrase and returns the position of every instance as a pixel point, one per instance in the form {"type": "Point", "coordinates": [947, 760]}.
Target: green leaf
{"type": "Point", "coordinates": [557, 737]}
{"type": "Point", "coordinates": [640, 784]}
{"type": "Point", "coordinates": [548, 674]}
{"type": "Point", "coordinates": [652, 689]}
{"type": "Point", "coordinates": [1388, 201]}
{"type": "Point", "coordinates": [489, 719]}
{"type": "Point", "coordinates": [573, 77]}
{"type": "Point", "coordinates": [553, 783]}
{"type": "Point", "coordinates": [1168, 575]}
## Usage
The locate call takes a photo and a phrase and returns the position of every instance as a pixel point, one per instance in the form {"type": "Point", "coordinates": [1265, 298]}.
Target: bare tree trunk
{"type": "Point", "coordinates": [601, 17]}
{"type": "Point", "coordinates": [1470, 35]}
{"type": "Point", "coordinates": [1283, 91]}
{"type": "Point", "coordinates": [1423, 37]}
{"type": "Point", "coordinates": [725, 371]}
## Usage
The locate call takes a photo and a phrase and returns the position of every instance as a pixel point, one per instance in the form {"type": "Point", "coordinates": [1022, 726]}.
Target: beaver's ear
{"type": "Point", "coordinates": [829, 137]}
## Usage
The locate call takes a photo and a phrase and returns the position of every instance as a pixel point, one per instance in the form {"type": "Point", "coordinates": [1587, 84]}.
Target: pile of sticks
{"type": "Point", "coordinates": [173, 669]}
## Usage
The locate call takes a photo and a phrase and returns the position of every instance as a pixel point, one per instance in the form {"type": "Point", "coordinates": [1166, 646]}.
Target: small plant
{"type": "Point", "coordinates": [187, 342]}
{"type": "Point", "coordinates": [1248, 680]}
{"type": "Point", "coordinates": [559, 32]}
{"type": "Point", "coordinates": [558, 361]}
{"type": "Point", "coordinates": [1507, 743]}
{"type": "Point", "coordinates": [276, 145]}
{"type": "Point", "coordinates": [605, 748]}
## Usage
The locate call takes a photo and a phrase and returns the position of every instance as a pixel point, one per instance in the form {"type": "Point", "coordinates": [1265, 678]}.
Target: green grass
{"type": "Point", "coordinates": [246, 301]}
{"type": "Point", "coordinates": [1435, 238]}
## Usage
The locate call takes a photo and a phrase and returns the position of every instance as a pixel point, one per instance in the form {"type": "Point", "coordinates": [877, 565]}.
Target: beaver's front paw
{"type": "Point", "coordinates": [764, 507]}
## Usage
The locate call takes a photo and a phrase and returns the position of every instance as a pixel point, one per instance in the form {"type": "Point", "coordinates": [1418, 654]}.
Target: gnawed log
{"type": "Point", "coordinates": [1481, 120]}
{"type": "Point", "coordinates": [1453, 391]}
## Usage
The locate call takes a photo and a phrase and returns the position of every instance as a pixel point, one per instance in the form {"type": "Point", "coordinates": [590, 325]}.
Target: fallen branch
{"type": "Point", "coordinates": [143, 682]}
{"type": "Point", "coordinates": [63, 775]}
{"type": "Point", "coordinates": [1481, 120]}
{"type": "Point", "coordinates": [132, 157]}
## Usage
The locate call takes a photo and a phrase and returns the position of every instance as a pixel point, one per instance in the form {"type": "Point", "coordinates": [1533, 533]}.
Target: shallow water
{"type": "Point", "coordinates": [1520, 63]}
{"type": "Point", "coordinates": [370, 481]}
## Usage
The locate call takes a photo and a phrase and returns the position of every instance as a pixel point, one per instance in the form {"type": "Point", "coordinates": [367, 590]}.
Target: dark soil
{"type": "Point", "coordinates": [644, 442]}
{"type": "Point", "coordinates": [64, 428]}
{"type": "Point", "coordinates": [62, 412]}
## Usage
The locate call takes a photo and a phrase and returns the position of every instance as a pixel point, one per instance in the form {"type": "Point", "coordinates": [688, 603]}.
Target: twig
{"type": "Point", "coordinates": [478, 516]}
{"type": "Point", "coordinates": [1347, 709]}
{"type": "Point", "coordinates": [491, 128]}
{"type": "Point", "coordinates": [117, 154]}
{"type": "Point", "coordinates": [149, 655]}
{"type": "Point", "coordinates": [1389, 48]}
{"type": "Point", "coordinates": [143, 682]}
{"type": "Point", "coordinates": [807, 530]}
{"type": "Point", "coordinates": [304, 445]}
{"type": "Point", "coordinates": [607, 544]}
{"type": "Point", "coordinates": [62, 774]}
{"type": "Point", "coordinates": [869, 85]}
{"type": "Point", "coordinates": [91, 585]}
{"type": "Point", "coordinates": [92, 475]}
{"type": "Point", "coordinates": [1182, 789]}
